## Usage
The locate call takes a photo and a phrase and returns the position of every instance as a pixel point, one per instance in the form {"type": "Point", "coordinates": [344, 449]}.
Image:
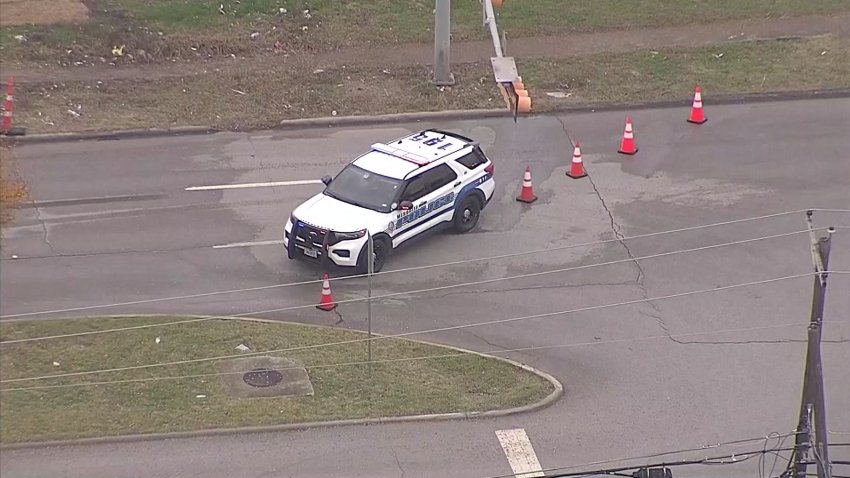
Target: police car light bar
{"type": "Point", "coordinates": [399, 153]}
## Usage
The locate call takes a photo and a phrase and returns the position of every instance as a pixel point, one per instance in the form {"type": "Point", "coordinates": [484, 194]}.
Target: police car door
{"type": "Point", "coordinates": [432, 194]}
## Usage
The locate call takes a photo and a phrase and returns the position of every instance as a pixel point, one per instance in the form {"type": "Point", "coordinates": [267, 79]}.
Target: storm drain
{"type": "Point", "coordinates": [262, 377]}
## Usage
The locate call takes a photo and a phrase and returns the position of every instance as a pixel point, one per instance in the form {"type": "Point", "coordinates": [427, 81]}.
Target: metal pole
{"type": "Point", "coordinates": [813, 394]}
{"type": "Point", "coordinates": [490, 20]}
{"type": "Point", "coordinates": [442, 43]}
{"type": "Point", "coordinates": [371, 269]}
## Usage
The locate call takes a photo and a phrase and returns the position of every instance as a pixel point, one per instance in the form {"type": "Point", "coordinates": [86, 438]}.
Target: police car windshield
{"type": "Point", "coordinates": [357, 186]}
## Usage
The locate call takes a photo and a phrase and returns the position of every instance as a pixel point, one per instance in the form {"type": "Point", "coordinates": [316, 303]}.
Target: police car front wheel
{"type": "Point", "coordinates": [466, 216]}
{"type": "Point", "coordinates": [380, 249]}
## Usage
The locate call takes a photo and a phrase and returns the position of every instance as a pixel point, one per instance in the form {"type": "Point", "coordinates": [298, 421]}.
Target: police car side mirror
{"type": "Point", "coordinates": [326, 180]}
{"type": "Point", "coordinates": [405, 205]}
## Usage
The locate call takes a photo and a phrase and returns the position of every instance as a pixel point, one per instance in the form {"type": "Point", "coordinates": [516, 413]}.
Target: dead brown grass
{"type": "Point", "coordinates": [12, 189]}
{"type": "Point", "coordinates": [260, 96]}
{"type": "Point", "coordinates": [41, 12]}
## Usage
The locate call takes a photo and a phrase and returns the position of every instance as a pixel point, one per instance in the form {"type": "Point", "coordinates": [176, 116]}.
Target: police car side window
{"type": "Point", "coordinates": [428, 182]}
{"type": "Point", "coordinates": [441, 175]}
{"type": "Point", "coordinates": [472, 160]}
{"type": "Point", "coordinates": [415, 188]}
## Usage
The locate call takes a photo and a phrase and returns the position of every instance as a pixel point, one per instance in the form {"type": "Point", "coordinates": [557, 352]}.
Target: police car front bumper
{"type": "Point", "coordinates": [311, 244]}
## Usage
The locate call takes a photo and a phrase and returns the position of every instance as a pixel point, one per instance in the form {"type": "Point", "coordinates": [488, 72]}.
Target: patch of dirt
{"type": "Point", "coordinates": [42, 12]}
{"type": "Point", "coordinates": [257, 91]}
{"type": "Point", "coordinates": [551, 47]}
{"type": "Point", "coordinates": [245, 96]}
{"type": "Point", "coordinates": [114, 38]}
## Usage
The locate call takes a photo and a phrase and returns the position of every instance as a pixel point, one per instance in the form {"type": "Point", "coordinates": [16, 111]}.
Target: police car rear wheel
{"type": "Point", "coordinates": [466, 216]}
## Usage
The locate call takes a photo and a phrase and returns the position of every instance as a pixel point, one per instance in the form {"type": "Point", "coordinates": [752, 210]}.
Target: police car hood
{"type": "Point", "coordinates": [329, 213]}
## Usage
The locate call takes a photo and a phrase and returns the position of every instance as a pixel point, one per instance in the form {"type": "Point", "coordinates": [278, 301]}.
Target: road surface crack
{"type": "Point", "coordinates": [338, 314]}
{"type": "Point", "coordinates": [397, 462]}
{"type": "Point", "coordinates": [491, 344]}
{"type": "Point", "coordinates": [523, 289]}
{"type": "Point", "coordinates": [660, 321]}
{"type": "Point", "coordinates": [665, 328]}
{"type": "Point", "coordinates": [616, 228]}
{"type": "Point", "coordinates": [44, 230]}
{"type": "Point", "coordinates": [768, 342]}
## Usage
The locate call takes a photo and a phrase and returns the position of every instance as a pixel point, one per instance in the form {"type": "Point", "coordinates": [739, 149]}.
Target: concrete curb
{"type": "Point", "coordinates": [450, 115]}
{"type": "Point", "coordinates": [434, 417]}
{"type": "Point", "coordinates": [112, 135]}
{"type": "Point", "coordinates": [720, 100]}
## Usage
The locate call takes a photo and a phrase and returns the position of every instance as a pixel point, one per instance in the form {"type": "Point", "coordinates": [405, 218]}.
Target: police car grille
{"type": "Point", "coordinates": [311, 236]}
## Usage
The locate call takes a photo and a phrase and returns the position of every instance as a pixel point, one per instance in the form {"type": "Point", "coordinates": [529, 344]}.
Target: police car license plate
{"type": "Point", "coordinates": [311, 253]}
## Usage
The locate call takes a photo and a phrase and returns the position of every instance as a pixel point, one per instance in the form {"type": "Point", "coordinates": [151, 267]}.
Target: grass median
{"type": "Point", "coordinates": [167, 29]}
{"type": "Point", "coordinates": [261, 96]}
{"type": "Point", "coordinates": [407, 378]}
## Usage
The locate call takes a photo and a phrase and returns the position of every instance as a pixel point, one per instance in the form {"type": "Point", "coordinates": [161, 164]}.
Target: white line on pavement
{"type": "Point", "coordinates": [255, 185]}
{"type": "Point", "coordinates": [248, 244]}
{"type": "Point", "coordinates": [520, 453]}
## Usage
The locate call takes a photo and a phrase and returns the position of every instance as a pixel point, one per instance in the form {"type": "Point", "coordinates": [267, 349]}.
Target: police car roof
{"type": "Point", "coordinates": [402, 156]}
{"type": "Point", "coordinates": [386, 165]}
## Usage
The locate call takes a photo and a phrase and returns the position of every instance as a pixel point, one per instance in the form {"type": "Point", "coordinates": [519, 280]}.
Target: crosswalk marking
{"type": "Point", "coordinates": [520, 453]}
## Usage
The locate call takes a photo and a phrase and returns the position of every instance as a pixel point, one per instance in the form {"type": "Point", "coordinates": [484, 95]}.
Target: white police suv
{"type": "Point", "coordinates": [394, 192]}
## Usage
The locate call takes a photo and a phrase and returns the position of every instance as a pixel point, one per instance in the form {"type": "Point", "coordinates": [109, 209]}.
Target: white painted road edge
{"type": "Point", "coordinates": [300, 182]}
{"type": "Point", "coordinates": [248, 244]}
{"type": "Point", "coordinates": [520, 453]}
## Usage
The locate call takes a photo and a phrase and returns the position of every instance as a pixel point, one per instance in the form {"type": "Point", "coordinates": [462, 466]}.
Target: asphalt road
{"type": "Point", "coordinates": [112, 222]}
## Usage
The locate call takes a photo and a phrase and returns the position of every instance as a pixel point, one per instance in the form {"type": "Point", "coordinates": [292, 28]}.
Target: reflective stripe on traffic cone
{"type": "Point", "coordinates": [526, 195]}
{"type": "Point", "coordinates": [697, 115]}
{"type": "Point", "coordinates": [327, 302]}
{"type": "Point", "coordinates": [576, 167]}
{"type": "Point", "coordinates": [627, 146]}
{"type": "Point", "coordinates": [7, 109]}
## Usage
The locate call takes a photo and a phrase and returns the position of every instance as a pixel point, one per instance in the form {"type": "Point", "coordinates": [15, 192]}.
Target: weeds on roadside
{"type": "Point", "coordinates": [12, 189]}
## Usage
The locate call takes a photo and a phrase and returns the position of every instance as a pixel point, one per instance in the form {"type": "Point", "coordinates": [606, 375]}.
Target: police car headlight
{"type": "Point", "coordinates": [335, 237]}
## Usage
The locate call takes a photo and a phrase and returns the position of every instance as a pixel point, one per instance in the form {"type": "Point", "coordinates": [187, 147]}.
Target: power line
{"type": "Point", "coordinates": [538, 274]}
{"type": "Point", "coordinates": [730, 459]}
{"type": "Point", "coordinates": [740, 442]}
{"type": "Point", "coordinates": [430, 289]}
{"type": "Point", "coordinates": [104, 331]}
{"type": "Point", "coordinates": [413, 359]}
{"type": "Point", "coordinates": [407, 334]}
{"type": "Point", "coordinates": [417, 268]}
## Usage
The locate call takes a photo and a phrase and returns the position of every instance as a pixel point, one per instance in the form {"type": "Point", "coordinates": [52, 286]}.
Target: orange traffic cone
{"type": "Point", "coordinates": [526, 195]}
{"type": "Point", "coordinates": [327, 302]}
{"type": "Point", "coordinates": [7, 108]}
{"type": "Point", "coordinates": [697, 115]}
{"type": "Point", "coordinates": [576, 167]}
{"type": "Point", "coordinates": [627, 146]}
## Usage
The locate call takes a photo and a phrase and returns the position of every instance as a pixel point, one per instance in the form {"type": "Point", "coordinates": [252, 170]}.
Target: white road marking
{"type": "Point", "coordinates": [300, 182]}
{"type": "Point", "coordinates": [520, 453]}
{"type": "Point", "coordinates": [248, 244]}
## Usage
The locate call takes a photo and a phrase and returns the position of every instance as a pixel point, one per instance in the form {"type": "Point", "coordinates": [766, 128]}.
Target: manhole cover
{"type": "Point", "coordinates": [262, 377]}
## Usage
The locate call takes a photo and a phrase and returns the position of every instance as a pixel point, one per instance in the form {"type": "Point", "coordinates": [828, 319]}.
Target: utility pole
{"type": "Point", "coordinates": [813, 402]}
{"type": "Point", "coordinates": [442, 43]}
{"type": "Point", "coordinates": [371, 270]}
